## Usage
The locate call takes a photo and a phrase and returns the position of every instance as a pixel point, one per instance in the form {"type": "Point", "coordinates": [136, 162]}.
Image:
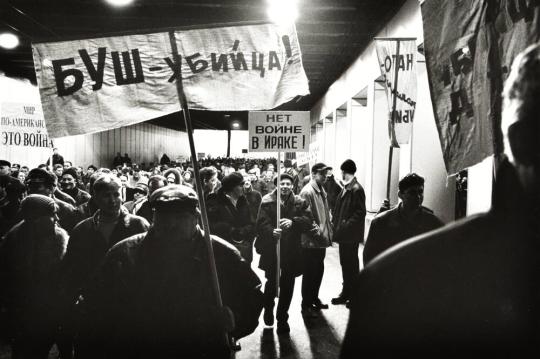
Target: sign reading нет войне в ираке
{"type": "Point", "coordinates": [279, 131]}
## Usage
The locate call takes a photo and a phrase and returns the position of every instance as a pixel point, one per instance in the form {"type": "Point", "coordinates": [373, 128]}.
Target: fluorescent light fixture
{"type": "Point", "coordinates": [8, 40]}
{"type": "Point", "coordinates": [236, 125]}
{"type": "Point", "coordinates": [119, 2]}
{"type": "Point", "coordinates": [282, 12]}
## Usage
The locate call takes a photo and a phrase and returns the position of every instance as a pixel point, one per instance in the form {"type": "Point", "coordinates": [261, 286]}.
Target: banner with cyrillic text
{"type": "Point", "coordinates": [104, 83]}
{"type": "Point", "coordinates": [401, 86]}
{"type": "Point", "coordinates": [23, 135]}
{"type": "Point", "coordinates": [279, 131]}
{"type": "Point", "coordinates": [470, 46]}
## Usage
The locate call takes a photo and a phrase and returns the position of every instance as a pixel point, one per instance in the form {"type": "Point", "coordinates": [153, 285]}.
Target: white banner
{"type": "Point", "coordinates": [98, 84]}
{"type": "Point", "coordinates": [279, 131]}
{"type": "Point", "coordinates": [401, 98]}
{"type": "Point", "coordinates": [23, 135]}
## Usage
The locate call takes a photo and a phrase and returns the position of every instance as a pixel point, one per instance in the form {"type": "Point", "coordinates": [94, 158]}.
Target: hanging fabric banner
{"type": "Point", "coordinates": [397, 59]}
{"type": "Point", "coordinates": [469, 47]}
{"type": "Point", "coordinates": [104, 83]}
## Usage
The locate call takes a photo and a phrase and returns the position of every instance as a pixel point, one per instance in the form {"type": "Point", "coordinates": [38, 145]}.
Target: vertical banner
{"type": "Point", "coordinates": [469, 47]}
{"type": "Point", "coordinates": [397, 59]}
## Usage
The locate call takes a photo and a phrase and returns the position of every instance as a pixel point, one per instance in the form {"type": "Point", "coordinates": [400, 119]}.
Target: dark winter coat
{"type": "Point", "coordinates": [87, 248]}
{"type": "Point", "coordinates": [469, 289]}
{"type": "Point", "coordinates": [228, 222]}
{"type": "Point", "coordinates": [30, 258]}
{"type": "Point", "coordinates": [79, 196]}
{"type": "Point", "coordinates": [294, 208]}
{"type": "Point", "coordinates": [349, 214]}
{"type": "Point", "coordinates": [88, 209]}
{"type": "Point", "coordinates": [333, 190]}
{"type": "Point", "coordinates": [152, 298]}
{"type": "Point", "coordinates": [67, 214]}
{"type": "Point", "coordinates": [391, 227]}
{"type": "Point", "coordinates": [254, 199]}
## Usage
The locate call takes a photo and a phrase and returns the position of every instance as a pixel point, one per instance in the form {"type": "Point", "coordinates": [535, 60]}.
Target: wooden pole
{"type": "Point", "coordinates": [278, 216]}
{"type": "Point", "coordinates": [393, 139]}
{"type": "Point", "coordinates": [202, 203]}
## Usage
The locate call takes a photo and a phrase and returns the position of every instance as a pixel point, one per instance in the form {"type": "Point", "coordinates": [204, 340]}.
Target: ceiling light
{"type": "Point", "coordinates": [8, 40]}
{"type": "Point", "coordinates": [282, 12]}
{"type": "Point", "coordinates": [236, 125]}
{"type": "Point", "coordinates": [119, 2]}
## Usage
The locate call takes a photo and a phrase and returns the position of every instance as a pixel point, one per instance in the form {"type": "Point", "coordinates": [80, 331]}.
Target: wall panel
{"type": "Point", "coordinates": [142, 142]}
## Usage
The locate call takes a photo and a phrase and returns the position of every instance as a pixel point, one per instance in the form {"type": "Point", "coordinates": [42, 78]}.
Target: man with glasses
{"type": "Point", "coordinates": [406, 220]}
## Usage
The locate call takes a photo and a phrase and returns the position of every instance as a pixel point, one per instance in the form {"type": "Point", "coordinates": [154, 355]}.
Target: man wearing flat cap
{"type": "Point", "coordinates": [152, 297]}
{"type": "Point", "coordinates": [230, 216]}
{"type": "Point", "coordinates": [30, 257]}
{"type": "Point", "coordinates": [314, 245]}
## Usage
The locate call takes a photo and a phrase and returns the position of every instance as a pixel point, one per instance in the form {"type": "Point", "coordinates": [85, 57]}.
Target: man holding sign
{"type": "Point", "coordinates": [295, 219]}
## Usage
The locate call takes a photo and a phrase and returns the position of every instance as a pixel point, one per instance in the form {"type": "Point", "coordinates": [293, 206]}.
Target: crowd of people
{"type": "Point", "coordinates": [99, 212]}
{"type": "Point", "coordinates": [112, 262]}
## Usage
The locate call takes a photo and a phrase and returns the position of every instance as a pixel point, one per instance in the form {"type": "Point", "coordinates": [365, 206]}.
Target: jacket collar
{"type": "Point", "coordinates": [121, 218]}
{"type": "Point", "coordinates": [319, 190]}
{"type": "Point", "coordinates": [349, 185]}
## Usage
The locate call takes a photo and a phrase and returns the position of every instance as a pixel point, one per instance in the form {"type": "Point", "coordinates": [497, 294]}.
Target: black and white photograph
{"type": "Point", "coordinates": [264, 179]}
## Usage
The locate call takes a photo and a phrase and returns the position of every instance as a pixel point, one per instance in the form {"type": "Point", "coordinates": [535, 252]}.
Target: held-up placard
{"type": "Point", "coordinates": [279, 131]}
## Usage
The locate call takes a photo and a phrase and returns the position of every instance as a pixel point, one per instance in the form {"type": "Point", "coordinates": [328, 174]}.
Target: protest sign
{"type": "Point", "coordinates": [397, 60]}
{"type": "Point", "coordinates": [23, 135]}
{"type": "Point", "coordinates": [98, 84]}
{"type": "Point", "coordinates": [279, 131]}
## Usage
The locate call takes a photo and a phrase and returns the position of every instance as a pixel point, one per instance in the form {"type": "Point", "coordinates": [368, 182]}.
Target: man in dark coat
{"type": "Point", "coordinates": [93, 237]}
{"type": "Point", "coordinates": [40, 181]}
{"type": "Point", "coordinates": [230, 216]}
{"type": "Point", "coordinates": [471, 288]}
{"type": "Point", "coordinates": [332, 188]}
{"type": "Point", "coordinates": [209, 180]}
{"type": "Point", "coordinates": [253, 197]}
{"type": "Point", "coordinates": [30, 257]}
{"type": "Point", "coordinates": [57, 159]}
{"type": "Point", "coordinates": [89, 208]}
{"type": "Point", "coordinates": [295, 219]}
{"type": "Point", "coordinates": [349, 221]}
{"type": "Point", "coordinates": [118, 160]}
{"type": "Point", "coordinates": [11, 193]}
{"type": "Point", "coordinates": [144, 209]}
{"type": "Point", "coordinates": [68, 183]}
{"type": "Point", "coordinates": [153, 298]}
{"type": "Point", "coordinates": [405, 221]}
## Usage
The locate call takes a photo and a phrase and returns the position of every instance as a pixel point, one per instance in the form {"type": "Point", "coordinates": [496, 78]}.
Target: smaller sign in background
{"type": "Point", "coordinates": [279, 131]}
{"type": "Point", "coordinates": [23, 134]}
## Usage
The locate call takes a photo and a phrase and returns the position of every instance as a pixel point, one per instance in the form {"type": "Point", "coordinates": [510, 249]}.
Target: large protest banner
{"type": "Point", "coordinates": [469, 47]}
{"type": "Point", "coordinates": [279, 131]}
{"type": "Point", "coordinates": [397, 60]}
{"type": "Point", "coordinates": [98, 84]}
